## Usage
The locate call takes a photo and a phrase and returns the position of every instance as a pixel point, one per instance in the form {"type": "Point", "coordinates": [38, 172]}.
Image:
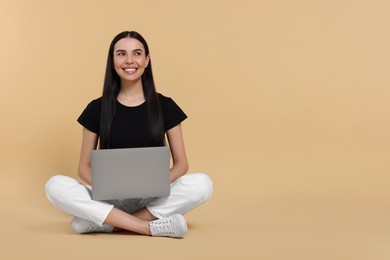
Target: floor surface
{"type": "Point", "coordinates": [224, 228]}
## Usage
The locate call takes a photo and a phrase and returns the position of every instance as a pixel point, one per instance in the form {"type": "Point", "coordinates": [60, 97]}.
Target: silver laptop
{"type": "Point", "coordinates": [130, 173]}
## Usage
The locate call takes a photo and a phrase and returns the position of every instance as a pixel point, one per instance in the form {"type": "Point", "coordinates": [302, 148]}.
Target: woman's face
{"type": "Point", "coordinates": [130, 59]}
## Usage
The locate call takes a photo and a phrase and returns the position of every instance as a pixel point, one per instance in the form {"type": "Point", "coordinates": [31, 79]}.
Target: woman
{"type": "Point", "coordinates": [131, 114]}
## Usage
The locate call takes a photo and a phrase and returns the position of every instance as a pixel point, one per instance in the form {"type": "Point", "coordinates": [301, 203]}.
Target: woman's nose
{"type": "Point", "coordinates": [129, 59]}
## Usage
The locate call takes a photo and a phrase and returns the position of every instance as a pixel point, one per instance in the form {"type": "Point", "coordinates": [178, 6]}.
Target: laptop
{"type": "Point", "coordinates": [130, 173]}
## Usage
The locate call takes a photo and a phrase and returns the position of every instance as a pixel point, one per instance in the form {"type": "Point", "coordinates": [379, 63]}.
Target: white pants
{"type": "Point", "coordinates": [74, 198]}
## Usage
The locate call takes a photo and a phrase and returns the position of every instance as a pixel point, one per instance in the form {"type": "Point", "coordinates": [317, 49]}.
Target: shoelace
{"type": "Point", "coordinates": [85, 226]}
{"type": "Point", "coordinates": [92, 227]}
{"type": "Point", "coordinates": [164, 227]}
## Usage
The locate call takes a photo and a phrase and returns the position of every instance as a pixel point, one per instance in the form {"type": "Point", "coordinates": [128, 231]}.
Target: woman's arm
{"type": "Point", "coordinates": [89, 142]}
{"type": "Point", "coordinates": [176, 144]}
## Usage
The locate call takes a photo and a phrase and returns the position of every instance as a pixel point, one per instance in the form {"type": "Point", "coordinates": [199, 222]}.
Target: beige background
{"type": "Point", "coordinates": [288, 105]}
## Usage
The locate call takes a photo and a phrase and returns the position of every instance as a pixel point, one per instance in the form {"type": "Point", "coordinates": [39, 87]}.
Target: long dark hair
{"type": "Point", "coordinates": [111, 90]}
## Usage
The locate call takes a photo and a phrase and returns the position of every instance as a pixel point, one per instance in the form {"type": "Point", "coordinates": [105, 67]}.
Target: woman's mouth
{"type": "Point", "coordinates": [129, 70]}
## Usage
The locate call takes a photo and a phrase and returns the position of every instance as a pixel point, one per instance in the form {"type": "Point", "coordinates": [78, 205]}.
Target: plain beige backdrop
{"type": "Point", "coordinates": [289, 113]}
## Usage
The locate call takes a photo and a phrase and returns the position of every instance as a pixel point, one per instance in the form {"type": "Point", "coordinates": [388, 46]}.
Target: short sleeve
{"type": "Point", "coordinates": [90, 117]}
{"type": "Point", "coordinates": [172, 113]}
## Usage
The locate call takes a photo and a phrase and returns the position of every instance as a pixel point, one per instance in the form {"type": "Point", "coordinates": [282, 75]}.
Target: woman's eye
{"type": "Point", "coordinates": [137, 53]}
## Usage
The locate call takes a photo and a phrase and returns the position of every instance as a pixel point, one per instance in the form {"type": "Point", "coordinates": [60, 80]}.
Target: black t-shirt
{"type": "Point", "coordinates": [130, 126]}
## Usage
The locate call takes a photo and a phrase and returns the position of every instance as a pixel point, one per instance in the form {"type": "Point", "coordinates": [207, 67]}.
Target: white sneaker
{"type": "Point", "coordinates": [173, 226]}
{"type": "Point", "coordinates": [83, 226]}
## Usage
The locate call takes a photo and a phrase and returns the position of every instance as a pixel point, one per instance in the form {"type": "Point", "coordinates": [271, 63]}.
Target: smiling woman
{"type": "Point", "coordinates": [129, 114]}
{"type": "Point", "coordinates": [130, 61]}
{"type": "Point", "coordinates": [129, 50]}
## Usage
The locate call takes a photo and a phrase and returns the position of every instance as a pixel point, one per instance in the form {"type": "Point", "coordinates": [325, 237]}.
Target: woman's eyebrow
{"type": "Point", "coordinates": [136, 50]}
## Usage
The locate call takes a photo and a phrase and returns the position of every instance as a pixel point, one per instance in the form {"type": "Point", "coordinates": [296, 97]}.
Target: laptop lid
{"type": "Point", "coordinates": [130, 173]}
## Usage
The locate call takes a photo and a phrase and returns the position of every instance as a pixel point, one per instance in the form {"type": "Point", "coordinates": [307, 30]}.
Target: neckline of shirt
{"type": "Point", "coordinates": [140, 105]}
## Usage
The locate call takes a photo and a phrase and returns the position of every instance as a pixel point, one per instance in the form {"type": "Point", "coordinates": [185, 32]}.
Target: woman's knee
{"type": "Point", "coordinates": [56, 185]}
{"type": "Point", "coordinates": [201, 187]}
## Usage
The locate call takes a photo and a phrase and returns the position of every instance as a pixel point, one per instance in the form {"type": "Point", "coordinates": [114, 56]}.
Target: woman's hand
{"type": "Point", "coordinates": [176, 144]}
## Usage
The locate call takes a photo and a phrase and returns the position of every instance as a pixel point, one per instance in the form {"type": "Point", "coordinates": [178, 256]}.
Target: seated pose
{"type": "Point", "coordinates": [131, 114]}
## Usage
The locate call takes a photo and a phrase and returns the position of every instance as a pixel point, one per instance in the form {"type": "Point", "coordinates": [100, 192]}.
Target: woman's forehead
{"type": "Point", "coordinates": [128, 44]}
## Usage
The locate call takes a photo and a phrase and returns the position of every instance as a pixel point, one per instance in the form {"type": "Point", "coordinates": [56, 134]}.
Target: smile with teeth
{"type": "Point", "coordinates": [130, 70]}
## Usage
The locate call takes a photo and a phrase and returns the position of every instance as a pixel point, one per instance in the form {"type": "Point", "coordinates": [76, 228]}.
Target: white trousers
{"type": "Point", "coordinates": [74, 198]}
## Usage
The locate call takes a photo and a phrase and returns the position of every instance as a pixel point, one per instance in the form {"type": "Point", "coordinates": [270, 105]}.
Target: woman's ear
{"type": "Point", "coordinates": [147, 60]}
